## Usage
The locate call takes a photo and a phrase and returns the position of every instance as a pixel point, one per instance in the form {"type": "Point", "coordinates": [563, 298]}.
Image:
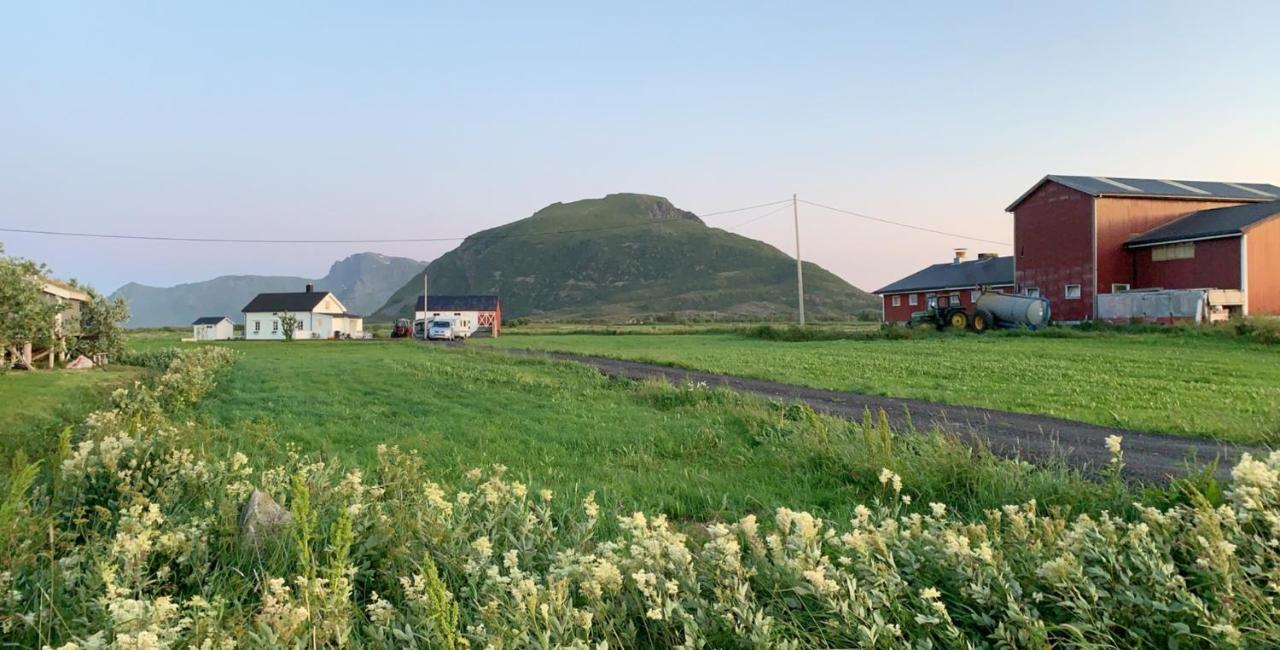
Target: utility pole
{"type": "Point", "coordinates": [795, 212]}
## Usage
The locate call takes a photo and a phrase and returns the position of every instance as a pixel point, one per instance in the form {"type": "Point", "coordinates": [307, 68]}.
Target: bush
{"type": "Point", "coordinates": [157, 359]}
{"type": "Point", "coordinates": [1262, 330]}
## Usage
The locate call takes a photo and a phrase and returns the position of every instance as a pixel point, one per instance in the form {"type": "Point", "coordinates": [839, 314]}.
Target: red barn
{"type": "Point", "coordinates": [1076, 237]}
{"type": "Point", "coordinates": [956, 283]}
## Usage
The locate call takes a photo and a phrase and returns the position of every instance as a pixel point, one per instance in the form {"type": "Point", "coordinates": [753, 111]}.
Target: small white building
{"type": "Point", "coordinates": [480, 315]}
{"type": "Point", "coordinates": [212, 328]}
{"type": "Point", "coordinates": [320, 316]}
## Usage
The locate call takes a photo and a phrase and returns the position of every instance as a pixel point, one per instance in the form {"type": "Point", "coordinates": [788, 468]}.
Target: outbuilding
{"type": "Point", "coordinates": [1078, 238]}
{"type": "Point", "coordinates": [480, 314]}
{"type": "Point", "coordinates": [319, 314]}
{"type": "Point", "coordinates": [212, 328]}
{"type": "Point", "coordinates": [958, 283]}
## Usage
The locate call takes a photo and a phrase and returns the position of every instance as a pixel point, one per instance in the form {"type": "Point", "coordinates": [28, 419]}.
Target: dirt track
{"type": "Point", "coordinates": [1149, 457]}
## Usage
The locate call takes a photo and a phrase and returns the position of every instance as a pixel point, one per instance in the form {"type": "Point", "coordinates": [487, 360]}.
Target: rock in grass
{"type": "Point", "coordinates": [262, 515]}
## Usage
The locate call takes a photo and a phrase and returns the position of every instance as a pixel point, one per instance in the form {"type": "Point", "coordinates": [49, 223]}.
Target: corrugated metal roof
{"type": "Point", "coordinates": [1206, 224]}
{"type": "Point", "coordinates": [995, 271]}
{"type": "Point", "coordinates": [296, 301]}
{"type": "Point", "coordinates": [209, 320]}
{"type": "Point", "coordinates": [1159, 188]}
{"type": "Point", "coordinates": [459, 303]}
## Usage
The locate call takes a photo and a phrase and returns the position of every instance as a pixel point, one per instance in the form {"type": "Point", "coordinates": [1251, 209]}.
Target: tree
{"type": "Point", "coordinates": [288, 324]}
{"type": "Point", "coordinates": [100, 329]}
{"type": "Point", "coordinates": [26, 314]}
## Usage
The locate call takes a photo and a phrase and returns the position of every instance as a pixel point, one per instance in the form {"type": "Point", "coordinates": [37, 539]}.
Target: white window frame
{"type": "Point", "coordinates": [1178, 251]}
{"type": "Point", "coordinates": [974, 295]}
{"type": "Point", "coordinates": [896, 301]}
{"type": "Point", "coordinates": [1067, 292]}
{"type": "Point", "coordinates": [275, 326]}
{"type": "Point", "coordinates": [913, 299]}
{"type": "Point", "coordinates": [257, 327]}
{"type": "Point", "coordinates": [1117, 287]}
{"type": "Point", "coordinates": [1031, 292]}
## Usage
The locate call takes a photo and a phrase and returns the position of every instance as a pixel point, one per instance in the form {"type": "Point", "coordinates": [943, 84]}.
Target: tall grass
{"type": "Point", "coordinates": [136, 544]}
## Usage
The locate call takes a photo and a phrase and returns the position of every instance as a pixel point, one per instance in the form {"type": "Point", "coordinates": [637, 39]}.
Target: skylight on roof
{"type": "Point", "coordinates": [1118, 184]}
{"type": "Point", "coordinates": [1250, 189]}
{"type": "Point", "coordinates": [1184, 186]}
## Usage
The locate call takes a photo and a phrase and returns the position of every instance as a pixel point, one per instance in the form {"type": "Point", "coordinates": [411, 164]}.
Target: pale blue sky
{"type": "Point", "coordinates": [314, 120]}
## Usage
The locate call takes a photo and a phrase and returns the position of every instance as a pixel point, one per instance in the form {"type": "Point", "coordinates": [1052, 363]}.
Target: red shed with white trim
{"type": "Point", "coordinates": [957, 283]}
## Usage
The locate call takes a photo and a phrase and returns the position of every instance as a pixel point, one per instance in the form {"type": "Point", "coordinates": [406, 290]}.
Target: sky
{"type": "Point", "coordinates": [314, 120]}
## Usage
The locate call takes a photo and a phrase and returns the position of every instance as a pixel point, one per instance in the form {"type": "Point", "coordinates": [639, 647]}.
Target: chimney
{"type": "Point", "coordinates": [961, 253]}
{"type": "Point", "coordinates": [987, 256]}
{"type": "Point", "coordinates": [310, 287]}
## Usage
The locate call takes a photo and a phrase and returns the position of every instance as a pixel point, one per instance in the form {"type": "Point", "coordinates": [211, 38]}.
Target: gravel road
{"type": "Point", "coordinates": [1149, 457]}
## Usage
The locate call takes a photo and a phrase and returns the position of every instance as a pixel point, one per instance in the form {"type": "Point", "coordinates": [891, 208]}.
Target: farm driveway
{"type": "Point", "coordinates": [1149, 457]}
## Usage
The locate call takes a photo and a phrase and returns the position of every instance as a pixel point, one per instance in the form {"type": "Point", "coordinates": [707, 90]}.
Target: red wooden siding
{"type": "Point", "coordinates": [1053, 245]}
{"type": "Point", "coordinates": [1119, 219]}
{"type": "Point", "coordinates": [1216, 265]}
{"type": "Point", "coordinates": [1262, 243]}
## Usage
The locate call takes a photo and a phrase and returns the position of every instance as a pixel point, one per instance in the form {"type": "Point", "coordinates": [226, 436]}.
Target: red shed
{"type": "Point", "coordinates": [957, 283]}
{"type": "Point", "coordinates": [1078, 236]}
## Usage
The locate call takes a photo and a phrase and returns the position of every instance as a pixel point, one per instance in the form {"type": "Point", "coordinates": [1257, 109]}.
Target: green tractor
{"type": "Point", "coordinates": [992, 309]}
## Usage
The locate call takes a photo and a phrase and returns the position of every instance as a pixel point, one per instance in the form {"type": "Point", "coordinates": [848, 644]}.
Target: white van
{"type": "Point", "coordinates": [445, 329]}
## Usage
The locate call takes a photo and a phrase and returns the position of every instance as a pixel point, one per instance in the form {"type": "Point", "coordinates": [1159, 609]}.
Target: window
{"type": "Point", "coordinates": [913, 299]}
{"type": "Point", "coordinates": [1072, 292]}
{"type": "Point", "coordinates": [1034, 292]}
{"type": "Point", "coordinates": [275, 326]}
{"type": "Point", "coordinates": [955, 298]}
{"type": "Point", "coordinates": [1183, 251]}
{"type": "Point", "coordinates": [974, 295]}
{"type": "Point", "coordinates": [1118, 287]}
{"type": "Point", "coordinates": [897, 301]}
{"type": "Point", "coordinates": [257, 326]}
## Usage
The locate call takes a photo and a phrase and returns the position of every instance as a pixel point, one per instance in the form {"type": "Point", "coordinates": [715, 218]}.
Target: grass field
{"type": "Point", "coordinates": [690, 452]}
{"type": "Point", "coordinates": [1211, 387]}
{"type": "Point", "coordinates": [35, 405]}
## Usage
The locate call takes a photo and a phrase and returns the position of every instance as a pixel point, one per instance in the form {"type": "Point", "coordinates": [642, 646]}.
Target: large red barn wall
{"type": "Point", "coordinates": [1053, 245]}
{"type": "Point", "coordinates": [1215, 266]}
{"type": "Point", "coordinates": [1119, 219]}
{"type": "Point", "coordinates": [1262, 243]}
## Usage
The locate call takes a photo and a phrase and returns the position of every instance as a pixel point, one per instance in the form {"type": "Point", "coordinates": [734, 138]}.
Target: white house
{"type": "Point", "coordinates": [479, 314]}
{"type": "Point", "coordinates": [320, 316]}
{"type": "Point", "coordinates": [212, 328]}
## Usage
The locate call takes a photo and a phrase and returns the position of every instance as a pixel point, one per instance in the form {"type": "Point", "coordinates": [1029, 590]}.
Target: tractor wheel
{"type": "Point", "coordinates": [958, 319]}
{"type": "Point", "coordinates": [982, 321]}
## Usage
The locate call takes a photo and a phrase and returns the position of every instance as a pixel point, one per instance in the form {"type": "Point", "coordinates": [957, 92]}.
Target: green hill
{"type": "Point", "coordinates": [628, 256]}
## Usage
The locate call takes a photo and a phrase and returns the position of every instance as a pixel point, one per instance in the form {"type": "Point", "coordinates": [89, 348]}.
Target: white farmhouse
{"type": "Point", "coordinates": [320, 316]}
{"type": "Point", "coordinates": [212, 328]}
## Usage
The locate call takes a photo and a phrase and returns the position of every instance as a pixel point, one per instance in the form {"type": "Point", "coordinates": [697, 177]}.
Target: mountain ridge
{"type": "Point", "coordinates": [362, 281]}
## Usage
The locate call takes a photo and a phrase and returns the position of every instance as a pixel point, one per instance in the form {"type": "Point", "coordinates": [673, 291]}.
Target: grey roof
{"type": "Point", "coordinates": [209, 320]}
{"type": "Point", "coordinates": [995, 271]}
{"type": "Point", "coordinates": [459, 303]}
{"type": "Point", "coordinates": [1159, 189]}
{"type": "Point", "coordinates": [297, 301]}
{"type": "Point", "coordinates": [1207, 224]}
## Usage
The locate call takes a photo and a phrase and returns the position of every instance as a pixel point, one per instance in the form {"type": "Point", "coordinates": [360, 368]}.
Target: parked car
{"type": "Point", "coordinates": [446, 329]}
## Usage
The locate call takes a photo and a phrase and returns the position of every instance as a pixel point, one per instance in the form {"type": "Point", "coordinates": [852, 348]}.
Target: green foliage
{"type": "Point", "coordinates": [151, 555]}
{"type": "Point", "coordinates": [628, 257]}
{"type": "Point", "coordinates": [26, 316]}
{"type": "Point", "coordinates": [288, 324]}
{"type": "Point", "coordinates": [153, 358]}
{"type": "Point", "coordinates": [100, 330]}
{"type": "Point", "coordinates": [1214, 385]}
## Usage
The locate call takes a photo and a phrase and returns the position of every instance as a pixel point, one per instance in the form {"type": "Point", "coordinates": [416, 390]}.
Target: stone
{"type": "Point", "coordinates": [262, 516]}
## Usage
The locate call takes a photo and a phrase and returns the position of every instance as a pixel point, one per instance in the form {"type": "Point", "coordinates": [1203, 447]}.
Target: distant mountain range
{"type": "Point", "coordinates": [628, 256]}
{"type": "Point", "coordinates": [363, 282]}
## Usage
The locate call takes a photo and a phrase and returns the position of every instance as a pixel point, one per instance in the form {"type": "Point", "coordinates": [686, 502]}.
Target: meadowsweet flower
{"type": "Point", "coordinates": [1113, 444]}
{"type": "Point", "coordinates": [545, 495]}
{"type": "Point", "coordinates": [938, 509]}
{"type": "Point", "coordinates": [380, 611]}
{"type": "Point", "coordinates": [930, 593]}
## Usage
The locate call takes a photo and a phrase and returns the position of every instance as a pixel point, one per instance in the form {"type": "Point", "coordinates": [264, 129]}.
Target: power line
{"type": "Point", "coordinates": [904, 225]}
{"type": "Point", "coordinates": [221, 240]}
{"type": "Point", "coordinates": [786, 204]}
